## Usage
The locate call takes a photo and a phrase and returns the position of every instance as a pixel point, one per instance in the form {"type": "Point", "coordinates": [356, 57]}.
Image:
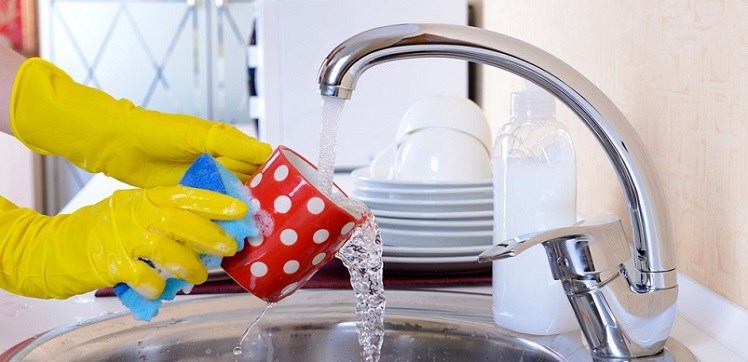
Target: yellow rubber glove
{"type": "Point", "coordinates": [52, 114]}
{"type": "Point", "coordinates": [105, 244]}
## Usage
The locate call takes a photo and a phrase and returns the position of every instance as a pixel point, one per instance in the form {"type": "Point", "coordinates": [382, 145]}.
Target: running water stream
{"type": "Point", "coordinates": [238, 348]}
{"type": "Point", "coordinates": [362, 253]}
{"type": "Point", "coordinates": [332, 113]}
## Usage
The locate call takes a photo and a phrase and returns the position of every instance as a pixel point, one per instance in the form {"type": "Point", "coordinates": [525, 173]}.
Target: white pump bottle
{"type": "Point", "coordinates": [534, 189]}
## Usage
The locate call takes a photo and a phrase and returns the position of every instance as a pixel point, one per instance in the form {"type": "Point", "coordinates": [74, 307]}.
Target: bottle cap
{"type": "Point", "coordinates": [532, 103]}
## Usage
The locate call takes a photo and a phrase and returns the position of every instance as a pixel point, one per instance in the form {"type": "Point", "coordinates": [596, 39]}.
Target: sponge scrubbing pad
{"type": "Point", "coordinates": [204, 173]}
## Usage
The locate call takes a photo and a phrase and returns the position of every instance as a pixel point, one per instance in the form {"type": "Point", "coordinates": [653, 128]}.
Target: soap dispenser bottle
{"type": "Point", "coordinates": [534, 178]}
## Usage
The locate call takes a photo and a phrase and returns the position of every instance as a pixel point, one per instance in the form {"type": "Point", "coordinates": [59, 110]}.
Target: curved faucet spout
{"type": "Point", "coordinates": [647, 207]}
{"type": "Point", "coordinates": [651, 270]}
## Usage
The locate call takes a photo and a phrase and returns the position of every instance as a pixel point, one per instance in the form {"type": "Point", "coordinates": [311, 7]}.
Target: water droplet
{"type": "Point", "coordinates": [237, 350]}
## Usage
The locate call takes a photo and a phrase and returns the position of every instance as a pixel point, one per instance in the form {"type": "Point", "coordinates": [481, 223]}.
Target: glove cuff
{"type": "Point", "coordinates": [19, 108]}
{"type": "Point", "coordinates": [52, 114]}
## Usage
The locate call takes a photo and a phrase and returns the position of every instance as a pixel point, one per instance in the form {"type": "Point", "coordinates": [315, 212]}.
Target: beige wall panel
{"type": "Point", "coordinates": [679, 71]}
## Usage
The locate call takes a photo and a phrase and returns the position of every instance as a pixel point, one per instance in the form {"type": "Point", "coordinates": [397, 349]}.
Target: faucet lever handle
{"type": "Point", "coordinates": [587, 247]}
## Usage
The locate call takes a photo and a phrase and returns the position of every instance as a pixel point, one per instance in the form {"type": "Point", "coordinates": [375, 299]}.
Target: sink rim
{"type": "Point", "coordinates": [445, 306]}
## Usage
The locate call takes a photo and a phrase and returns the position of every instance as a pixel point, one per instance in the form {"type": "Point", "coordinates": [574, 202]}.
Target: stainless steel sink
{"type": "Point", "coordinates": [311, 325]}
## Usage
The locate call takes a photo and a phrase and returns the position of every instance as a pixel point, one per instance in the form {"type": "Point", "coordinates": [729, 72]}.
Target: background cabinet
{"type": "Point", "coordinates": [169, 55]}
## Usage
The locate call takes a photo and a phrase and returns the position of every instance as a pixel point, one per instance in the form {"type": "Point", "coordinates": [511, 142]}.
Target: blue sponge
{"type": "Point", "coordinates": [204, 173]}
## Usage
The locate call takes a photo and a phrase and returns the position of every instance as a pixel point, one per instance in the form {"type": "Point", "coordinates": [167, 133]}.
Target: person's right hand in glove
{"type": "Point", "coordinates": [106, 243]}
{"type": "Point", "coordinates": [52, 114]}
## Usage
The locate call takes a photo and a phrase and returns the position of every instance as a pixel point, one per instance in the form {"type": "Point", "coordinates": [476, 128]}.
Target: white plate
{"type": "Point", "coordinates": [435, 229]}
{"type": "Point", "coordinates": [458, 193]}
{"type": "Point", "coordinates": [427, 205]}
{"type": "Point", "coordinates": [434, 265]}
{"type": "Point", "coordinates": [425, 224]}
{"type": "Point", "coordinates": [388, 250]}
{"type": "Point", "coordinates": [435, 225]}
{"type": "Point", "coordinates": [435, 239]}
{"type": "Point", "coordinates": [428, 191]}
{"type": "Point", "coordinates": [363, 177]}
{"type": "Point", "coordinates": [456, 215]}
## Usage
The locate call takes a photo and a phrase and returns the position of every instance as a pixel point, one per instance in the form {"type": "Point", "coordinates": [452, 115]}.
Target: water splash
{"type": "Point", "coordinates": [362, 255]}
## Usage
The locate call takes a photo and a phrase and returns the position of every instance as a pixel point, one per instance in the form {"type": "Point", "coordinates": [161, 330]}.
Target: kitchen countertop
{"type": "Point", "coordinates": [713, 336]}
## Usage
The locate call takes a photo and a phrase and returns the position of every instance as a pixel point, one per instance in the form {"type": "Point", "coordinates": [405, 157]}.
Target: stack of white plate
{"type": "Point", "coordinates": [429, 226]}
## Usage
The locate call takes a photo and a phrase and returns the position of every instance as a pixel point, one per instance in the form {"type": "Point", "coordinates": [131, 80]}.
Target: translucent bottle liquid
{"type": "Point", "coordinates": [534, 189]}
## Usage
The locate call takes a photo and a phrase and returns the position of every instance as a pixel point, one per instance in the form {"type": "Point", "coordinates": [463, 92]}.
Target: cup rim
{"type": "Point", "coordinates": [286, 152]}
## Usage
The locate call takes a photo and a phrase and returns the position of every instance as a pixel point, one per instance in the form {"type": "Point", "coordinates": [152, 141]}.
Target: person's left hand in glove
{"type": "Point", "coordinates": [114, 241]}
{"type": "Point", "coordinates": [52, 114]}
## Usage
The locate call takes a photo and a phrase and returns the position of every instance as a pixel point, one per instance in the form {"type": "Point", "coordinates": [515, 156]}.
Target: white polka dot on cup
{"type": "Point", "coordinates": [282, 204]}
{"type": "Point", "coordinates": [318, 258]}
{"type": "Point", "coordinates": [315, 205]}
{"type": "Point", "coordinates": [320, 236]}
{"type": "Point", "coordinates": [280, 173]}
{"type": "Point", "coordinates": [255, 180]}
{"type": "Point", "coordinates": [288, 237]}
{"type": "Point", "coordinates": [347, 228]}
{"type": "Point", "coordinates": [258, 269]}
{"type": "Point", "coordinates": [291, 266]}
{"type": "Point", "coordinates": [254, 206]}
{"type": "Point", "coordinates": [257, 240]}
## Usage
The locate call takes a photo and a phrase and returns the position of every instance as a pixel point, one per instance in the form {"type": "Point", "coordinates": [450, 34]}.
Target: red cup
{"type": "Point", "coordinates": [300, 228]}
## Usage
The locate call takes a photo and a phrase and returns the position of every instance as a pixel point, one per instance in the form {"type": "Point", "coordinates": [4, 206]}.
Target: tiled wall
{"type": "Point", "coordinates": [679, 71]}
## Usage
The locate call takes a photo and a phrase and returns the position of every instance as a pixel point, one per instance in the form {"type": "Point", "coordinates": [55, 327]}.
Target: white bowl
{"type": "Point", "coordinates": [450, 112]}
{"type": "Point", "coordinates": [381, 166]}
{"type": "Point", "coordinates": [440, 154]}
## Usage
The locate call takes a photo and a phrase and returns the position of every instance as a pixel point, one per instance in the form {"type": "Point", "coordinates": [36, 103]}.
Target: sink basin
{"type": "Point", "coordinates": [311, 325]}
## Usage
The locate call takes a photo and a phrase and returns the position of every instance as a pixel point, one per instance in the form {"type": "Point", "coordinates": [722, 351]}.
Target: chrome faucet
{"type": "Point", "coordinates": [624, 301]}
